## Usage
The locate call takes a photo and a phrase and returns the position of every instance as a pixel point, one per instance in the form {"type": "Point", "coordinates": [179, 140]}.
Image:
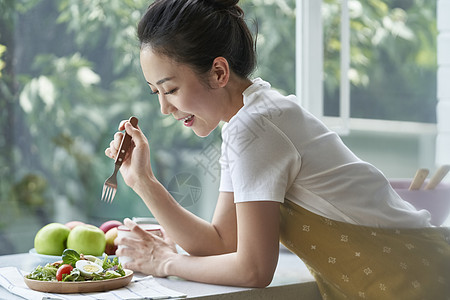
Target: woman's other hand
{"type": "Point", "coordinates": [149, 254]}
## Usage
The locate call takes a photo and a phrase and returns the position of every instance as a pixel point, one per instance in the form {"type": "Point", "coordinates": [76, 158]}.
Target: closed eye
{"type": "Point", "coordinates": [171, 91]}
{"type": "Point", "coordinates": [166, 93]}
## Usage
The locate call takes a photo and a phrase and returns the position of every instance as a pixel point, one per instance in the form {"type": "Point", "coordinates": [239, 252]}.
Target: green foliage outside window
{"type": "Point", "coordinates": [393, 59]}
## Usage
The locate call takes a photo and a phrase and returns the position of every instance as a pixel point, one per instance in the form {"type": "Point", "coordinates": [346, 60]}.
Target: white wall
{"type": "Point", "coordinates": [443, 83]}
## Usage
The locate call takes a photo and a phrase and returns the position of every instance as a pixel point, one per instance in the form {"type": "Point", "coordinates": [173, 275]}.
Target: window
{"type": "Point", "coordinates": [387, 49]}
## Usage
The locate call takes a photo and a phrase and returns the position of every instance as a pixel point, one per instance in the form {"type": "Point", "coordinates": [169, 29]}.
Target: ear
{"type": "Point", "coordinates": [220, 72]}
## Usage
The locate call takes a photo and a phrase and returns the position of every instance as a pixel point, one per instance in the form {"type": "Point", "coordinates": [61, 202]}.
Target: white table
{"type": "Point", "coordinates": [292, 280]}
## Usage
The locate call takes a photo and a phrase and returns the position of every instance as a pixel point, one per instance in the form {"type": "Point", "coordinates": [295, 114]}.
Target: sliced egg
{"type": "Point", "coordinates": [94, 259]}
{"type": "Point", "coordinates": [87, 268]}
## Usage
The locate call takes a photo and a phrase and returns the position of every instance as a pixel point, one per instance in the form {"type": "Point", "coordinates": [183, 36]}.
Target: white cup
{"type": "Point", "coordinates": [124, 231]}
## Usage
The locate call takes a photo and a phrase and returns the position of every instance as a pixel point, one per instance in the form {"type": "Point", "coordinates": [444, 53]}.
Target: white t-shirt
{"type": "Point", "coordinates": [274, 150]}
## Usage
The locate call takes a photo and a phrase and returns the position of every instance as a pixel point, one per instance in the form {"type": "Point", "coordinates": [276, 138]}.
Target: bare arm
{"type": "Point", "coordinates": [252, 265]}
{"type": "Point", "coordinates": [193, 234]}
{"type": "Point", "coordinates": [254, 262]}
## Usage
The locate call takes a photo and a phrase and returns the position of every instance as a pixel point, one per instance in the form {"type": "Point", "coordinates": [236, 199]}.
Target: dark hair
{"type": "Point", "coordinates": [195, 32]}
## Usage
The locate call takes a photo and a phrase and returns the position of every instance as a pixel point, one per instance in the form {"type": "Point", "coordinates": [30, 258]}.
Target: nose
{"type": "Point", "coordinates": [166, 107]}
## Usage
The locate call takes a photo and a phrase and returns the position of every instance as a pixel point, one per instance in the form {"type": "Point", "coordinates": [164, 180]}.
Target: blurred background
{"type": "Point", "coordinates": [69, 73]}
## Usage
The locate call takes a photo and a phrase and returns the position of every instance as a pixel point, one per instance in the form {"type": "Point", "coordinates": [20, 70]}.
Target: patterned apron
{"type": "Point", "coordinates": [358, 262]}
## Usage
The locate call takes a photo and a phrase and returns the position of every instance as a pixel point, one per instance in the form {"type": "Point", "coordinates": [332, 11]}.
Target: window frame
{"type": "Point", "coordinates": [309, 75]}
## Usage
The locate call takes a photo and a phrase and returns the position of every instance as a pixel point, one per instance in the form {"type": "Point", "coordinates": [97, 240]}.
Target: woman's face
{"type": "Point", "coordinates": [181, 92]}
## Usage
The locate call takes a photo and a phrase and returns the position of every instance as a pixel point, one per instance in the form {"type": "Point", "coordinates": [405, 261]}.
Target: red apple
{"type": "Point", "coordinates": [110, 236]}
{"type": "Point", "coordinates": [73, 224]}
{"type": "Point", "coordinates": [110, 224]}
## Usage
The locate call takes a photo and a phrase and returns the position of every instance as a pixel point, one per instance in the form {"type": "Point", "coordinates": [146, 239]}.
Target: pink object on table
{"type": "Point", "coordinates": [436, 201]}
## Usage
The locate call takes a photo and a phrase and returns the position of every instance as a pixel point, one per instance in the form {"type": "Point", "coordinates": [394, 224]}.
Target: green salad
{"type": "Point", "coordinates": [78, 267]}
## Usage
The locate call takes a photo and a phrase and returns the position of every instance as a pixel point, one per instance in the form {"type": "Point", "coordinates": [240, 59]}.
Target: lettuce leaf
{"type": "Point", "coordinates": [106, 275]}
{"type": "Point", "coordinates": [70, 257]}
{"type": "Point", "coordinates": [45, 273]}
{"type": "Point", "coordinates": [113, 265]}
{"type": "Point", "coordinates": [75, 275]}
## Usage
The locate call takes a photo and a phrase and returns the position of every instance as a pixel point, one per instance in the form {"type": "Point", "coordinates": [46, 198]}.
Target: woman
{"type": "Point", "coordinates": [284, 176]}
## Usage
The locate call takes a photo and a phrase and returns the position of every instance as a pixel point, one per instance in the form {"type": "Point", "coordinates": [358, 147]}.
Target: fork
{"type": "Point", "coordinates": [110, 185]}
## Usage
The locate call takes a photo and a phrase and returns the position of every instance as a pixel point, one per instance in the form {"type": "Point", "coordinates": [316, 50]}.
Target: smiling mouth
{"type": "Point", "coordinates": [188, 120]}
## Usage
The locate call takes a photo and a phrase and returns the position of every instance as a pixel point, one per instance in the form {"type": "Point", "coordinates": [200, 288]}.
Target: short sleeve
{"type": "Point", "coordinates": [258, 161]}
{"type": "Point", "coordinates": [226, 184]}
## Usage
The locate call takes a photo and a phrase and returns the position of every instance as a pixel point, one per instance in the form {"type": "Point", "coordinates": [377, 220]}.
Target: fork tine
{"type": "Point", "coordinates": [108, 194]}
{"type": "Point", "coordinates": [103, 193]}
{"type": "Point", "coordinates": [113, 194]}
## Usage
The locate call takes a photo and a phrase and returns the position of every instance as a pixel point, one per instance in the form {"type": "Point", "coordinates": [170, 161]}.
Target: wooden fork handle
{"type": "Point", "coordinates": [126, 143]}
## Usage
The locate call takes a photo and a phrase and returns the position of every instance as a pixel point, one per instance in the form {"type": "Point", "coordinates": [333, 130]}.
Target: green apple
{"type": "Point", "coordinates": [51, 239]}
{"type": "Point", "coordinates": [87, 239]}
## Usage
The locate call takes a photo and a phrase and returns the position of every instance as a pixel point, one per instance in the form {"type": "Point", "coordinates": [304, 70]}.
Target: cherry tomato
{"type": "Point", "coordinates": [63, 269]}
